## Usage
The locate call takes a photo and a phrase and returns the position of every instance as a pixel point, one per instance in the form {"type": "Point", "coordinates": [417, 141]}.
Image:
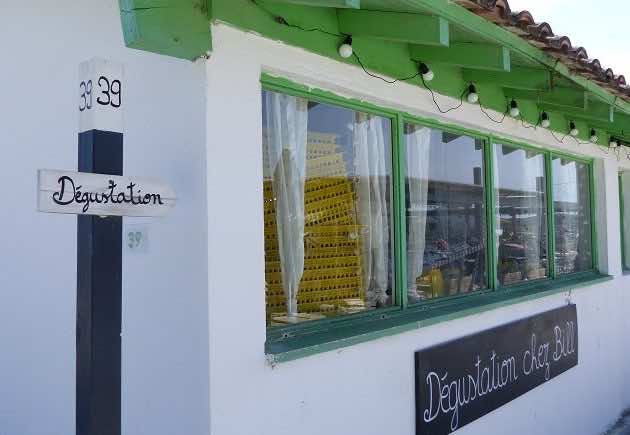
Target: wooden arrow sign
{"type": "Point", "coordinates": [103, 195]}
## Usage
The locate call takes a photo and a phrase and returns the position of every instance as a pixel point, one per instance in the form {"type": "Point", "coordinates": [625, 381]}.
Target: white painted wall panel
{"type": "Point", "coordinates": [368, 388]}
{"type": "Point", "coordinates": [165, 339]}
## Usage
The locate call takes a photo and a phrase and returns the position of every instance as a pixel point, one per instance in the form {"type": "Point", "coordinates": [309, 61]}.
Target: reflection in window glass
{"type": "Point", "coordinates": [624, 189]}
{"type": "Point", "coordinates": [327, 209]}
{"type": "Point", "coordinates": [521, 214]}
{"type": "Point", "coordinates": [572, 216]}
{"type": "Point", "coordinates": [445, 214]}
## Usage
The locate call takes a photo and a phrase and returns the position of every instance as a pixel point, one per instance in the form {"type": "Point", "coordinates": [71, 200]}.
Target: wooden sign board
{"type": "Point", "coordinates": [102, 195]}
{"type": "Point", "coordinates": [462, 380]}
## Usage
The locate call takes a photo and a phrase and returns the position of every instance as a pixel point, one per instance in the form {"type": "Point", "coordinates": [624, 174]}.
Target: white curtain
{"type": "Point", "coordinates": [371, 170]}
{"type": "Point", "coordinates": [534, 204]}
{"type": "Point", "coordinates": [286, 158]}
{"type": "Point", "coordinates": [417, 141]}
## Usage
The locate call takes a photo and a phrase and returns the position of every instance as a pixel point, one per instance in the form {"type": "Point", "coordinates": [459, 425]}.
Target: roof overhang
{"type": "Point", "coordinates": [392, 36]}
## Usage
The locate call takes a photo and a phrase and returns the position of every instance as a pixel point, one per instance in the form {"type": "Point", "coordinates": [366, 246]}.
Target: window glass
{"type": "Point", "coordinates": [572, 216]}
{"type": "Point", "coordinates": [521, 214]}
{"type": "Point", "coordinates": [327, 210]}
{"type": "Point", "coordinates": [624, 188]}
{"type": "Point", "coordinates": [445, 214]}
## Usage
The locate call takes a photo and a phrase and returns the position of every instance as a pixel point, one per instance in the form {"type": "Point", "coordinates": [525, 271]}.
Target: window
{"type": "Point", "coordinates": [624, 204]}
{"type": "Point", "coordinates": [327, 192]}
{"type": "Point", "coordinates": [445, 213]}
{"type": "Point", "coordinates": [521, 214]}
{"type": "Point", "coordinates": [572, 216]}
{"type": "Point", "coordinates": [373, 216]}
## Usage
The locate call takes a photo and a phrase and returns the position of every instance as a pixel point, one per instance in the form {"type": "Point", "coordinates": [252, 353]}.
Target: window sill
{"type": "Point", "coordinates": [350, 331]}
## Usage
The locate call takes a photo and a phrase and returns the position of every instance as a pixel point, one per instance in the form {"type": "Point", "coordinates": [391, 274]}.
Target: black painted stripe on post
{"type": "Point", "coordinates": [99, 298]}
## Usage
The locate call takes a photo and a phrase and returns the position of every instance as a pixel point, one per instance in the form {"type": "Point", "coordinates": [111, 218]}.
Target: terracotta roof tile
{"type": "Point", "coordinates": [541, 35]}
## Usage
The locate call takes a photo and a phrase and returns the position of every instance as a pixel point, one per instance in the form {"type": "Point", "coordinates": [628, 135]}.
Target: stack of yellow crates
{"type": "Point", "coordinates": [332, 278]}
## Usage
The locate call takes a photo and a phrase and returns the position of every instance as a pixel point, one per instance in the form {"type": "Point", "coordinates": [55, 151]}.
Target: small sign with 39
{"type": "Point", "coordinates": [136, 239]}
{"type": "Point", "coordinates": [100, 95]}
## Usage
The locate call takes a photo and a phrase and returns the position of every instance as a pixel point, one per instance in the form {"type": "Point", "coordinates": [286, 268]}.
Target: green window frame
{"type": "Point", "coordinates": [295, 341]}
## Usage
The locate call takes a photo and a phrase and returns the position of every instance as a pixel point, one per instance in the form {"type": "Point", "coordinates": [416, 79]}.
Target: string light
{"type": "Point", "coordinates": [514, 112]}
{"type": "Point", "coordinates": [573, 131]}
{"type": "Point", "coordinates": [545, 122]}
{"type": "Point", "coordinates": [594, 137]}
{"type": "Point", "coordinates": [427, 74]}
{"type": "Point", "coordinates": [345, 49]}
{"type": "Point", "coordinates": [473, 96]}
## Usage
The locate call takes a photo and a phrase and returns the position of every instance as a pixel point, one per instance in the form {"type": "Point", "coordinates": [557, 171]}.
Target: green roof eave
{"type": "Point", "coordinates": [181, 28]}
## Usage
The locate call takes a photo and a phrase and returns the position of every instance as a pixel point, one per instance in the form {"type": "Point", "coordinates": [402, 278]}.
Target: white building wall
{"type": "Point", "coordinates": [368, 388]}
{"type": "Point", "coordinates": [165, 337]}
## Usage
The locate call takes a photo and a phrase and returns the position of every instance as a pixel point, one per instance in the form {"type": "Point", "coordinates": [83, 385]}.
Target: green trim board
{"type": "Point", "coordinates": [400, 222]}
{"type": "Point", "coordinates": [353, 4]}
{"type": "Point", "coordinates": [551, 228]}
{"type": "Point", "coordinates": [491, 216]}
{"type": "Point", "coordinates": [559, 97]}
{"type": "Point", "coordinates": [177, 28]}
{"type": "Point", "coordinates": [593, 205]}
{"type": "Point", "coordinates": [395, 26]}
{"type": "Point", "coordinates": [419, 317]}
{"type": "Point", "coordinates": [466, 55]}
{"type": "Point", "coordinates": [294, 338]}
{"type": "Point", "coordinates": [518, 77]}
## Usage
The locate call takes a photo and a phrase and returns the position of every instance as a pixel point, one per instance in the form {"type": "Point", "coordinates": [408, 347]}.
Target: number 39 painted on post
{"type": "Point", "coordinates": [109, 89]}
{"type": "Point", "coordinates": [100, 95]}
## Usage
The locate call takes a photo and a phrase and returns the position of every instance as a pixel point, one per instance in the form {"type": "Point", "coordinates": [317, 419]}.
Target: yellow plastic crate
{"type": "Point", "coordinates": [318, 263]}
{"type": "Point", "coordinates": [341, 190]}
{"type": "Point", "coordinates": [328, 166]}
{"type": "Point", "coordinates": [347, 249]}
{"type": "Point", "coordinates": [332, 291]}
{"type": "Point", "coordinates": [317, 274]}
{"type": "Point", "coordinates": [316, 138]}
{"type": "Point", "coordinates": [320, 144]}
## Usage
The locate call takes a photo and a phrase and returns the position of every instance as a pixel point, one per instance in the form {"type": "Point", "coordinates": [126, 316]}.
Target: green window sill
{"type": "Point", "coordinates": [287, 344]}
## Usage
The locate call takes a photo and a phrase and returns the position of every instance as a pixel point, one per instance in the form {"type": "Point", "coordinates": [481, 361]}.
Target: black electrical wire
{"type": "Point", "coordinates": [461, 98]}
{"type": "Point", "coordinates": [281, 20]}
{"type": "Point", "coordinates": [401, 79]}
{"type": "Point", "coordinates": [490, 117]}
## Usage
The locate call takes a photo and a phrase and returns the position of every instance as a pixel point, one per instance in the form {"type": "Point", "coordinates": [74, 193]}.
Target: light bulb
{"type": "Point", "coordinates": [427, 74]}
{"type": "Point", "coordinates": [594, 137]}
{"type": "Point", "coordinates": [573, 131]}
{"type": "Point", "coordinates": [345, 49]}
{"type": "Point", "coordinates": [544, 120]}
{"type": "Point", "coordinates": [514, 112]}
{"type": "Point", "coordinates": [473, 97]}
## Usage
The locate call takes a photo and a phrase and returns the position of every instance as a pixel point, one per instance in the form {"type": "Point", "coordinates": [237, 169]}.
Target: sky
{"type": "Point", "coordinates": [600, 26]}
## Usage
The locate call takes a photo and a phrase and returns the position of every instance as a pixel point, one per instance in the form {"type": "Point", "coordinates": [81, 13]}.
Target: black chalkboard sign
{"type": "Point", "coordinates": [462, 380]}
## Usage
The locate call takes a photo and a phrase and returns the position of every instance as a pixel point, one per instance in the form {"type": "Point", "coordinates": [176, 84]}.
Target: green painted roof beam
{"type": "Point", "coordinates": [465, 55]}
{"type": "Point", "coordinates": [351, 4]}
{"type": "Point", "coordinates": [557, 97]}
{"type": "Point", "coordinates": [611, 129]}
{"type": "Point", "coordinates": [395, 26]}
{"type": "Point", "coordinates": [596, 112]}
{"type": "Point", "coordinates": [518, 78]}
{"type": "Point", "coordinates": [177, 28]}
